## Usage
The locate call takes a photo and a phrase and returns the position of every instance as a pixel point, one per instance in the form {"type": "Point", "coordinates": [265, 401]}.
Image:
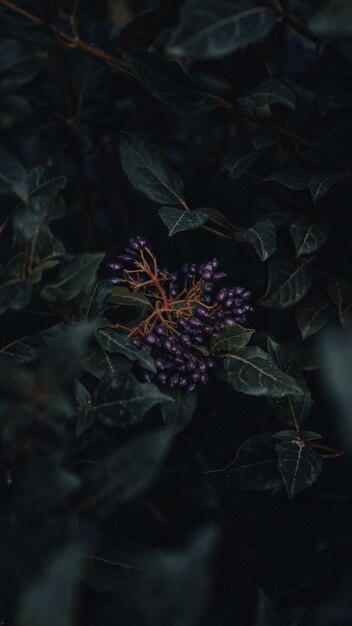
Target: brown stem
{"type": "Point", "coordinates": [321, 446]}
{"type": "Point", "coordinates": [302, 29]}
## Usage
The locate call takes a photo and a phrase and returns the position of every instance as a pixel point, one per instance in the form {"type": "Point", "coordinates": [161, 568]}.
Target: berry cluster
{"type": "Point", "coordinates": [188, 306]}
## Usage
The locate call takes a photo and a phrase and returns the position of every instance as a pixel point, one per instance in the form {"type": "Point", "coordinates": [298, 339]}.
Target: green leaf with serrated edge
{"type": "Point", "coordinates": [169, 83]}
{"type": "Point", "coordinates": [211, 29]}
{"type": "Point", "coordinates": [13, 176]}
{"type": "Point", "coordinates": [270, 91]}
{"type": "Point", "coordinates": [178, 414]}
{"type": "Point", "coordinates": [177, 219]}
{"type": "Point", "coordinates": [299, 465]}
{"type": "Point", "coordinates": [340, 293]}
{"type": "Point", "coordinates": [289, 281]}
{"type": "Point", "coordinates": [308, 238]}
{"type": "Point", "coordinates": [312, 313]}
{"type": "Point", "coordinates": [255, 466]}
{"type": "Point", "coordinates": [148, 171]}
{"type": "Point", "coordinates": [27, 348]}
{"type": "Point", "coordinates": [124, 297]}
{"type": "Point", "coordinates": [262, 236]}
{"type": "Point", "coordinates": [253, 371]}
{"type": "Point", "coordinates": [125, 401]}
{"type": "Point", "coordinates": [14, 294]}
{"type": "Point", "coordinates": [230, 338]}
{"type": "Point", "coordinates": [293, 409]}
{"type": "Point", "coordinates": [117, 342]}
{"type": "Point", "coordinates": [73, 278]}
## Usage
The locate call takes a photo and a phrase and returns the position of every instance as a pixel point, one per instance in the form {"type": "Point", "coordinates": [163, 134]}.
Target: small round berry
{"type": "Point", "coordinates": [150, 339]}
{"type": "Point", "coordinates": [202, 311]}
{"type": "Point", "coordinates": [208, 287]}
{"type": "Point", "coordinates": [204, 379]}
{"type": "Point", "coordinates": [174, 380]}
{"type": "Point", "coordinates": [195, 322]}
{"type": "Point", "coordinates": [162, 378]}
{"type": "Point", "coordinates": [219, 276]}
{"type": "Point", "coordinates": [116, 266]}
{"type": "Point", "coordinates": [191, 387]}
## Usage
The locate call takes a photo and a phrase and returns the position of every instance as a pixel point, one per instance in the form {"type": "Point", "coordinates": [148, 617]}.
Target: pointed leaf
{"type": "Point", "coordinates": [211, 29]}
{"type": "Point", "coordinates": [270, 91]}
{"type": "Point", "coordinates": [299, 465]}
{"type": "Point", "coordinates": [148, 171]}
{"type": "Point", "coordinates": [262, 236]}
{"type": "Point", "coordinates": [289, 281]}
{"type": "Point", "coordinates": [322, 183]}
{"type": "Point", "coordinates": [177, 219]}
{"type": "Point", "coordinates": [124, 297]}
{"type": "Point", "coordinates": [238, 160]}
{"type": "Point", "coordinates": [116, 342]}
{"type": "Point", "coordinates": [14, 294]}
{"type": "Point", "coordinates": [230, 338]}
{"type": "Point", "coordinates": [167, 82]}
{"type": "Point", "coordinates": [13, 176]}
{"type": "Point", "coordinates": [253, 371]}
{"type": "Point", "coordinates": [308, 237]}
{"type": "Point", "coordinates": [312, 314]}
{"type": "Point", "coordinates": [178, 414]}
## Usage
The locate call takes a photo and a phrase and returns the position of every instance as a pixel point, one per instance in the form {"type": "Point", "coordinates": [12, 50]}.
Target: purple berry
{"type": "Point", "coordinates": [195, 322]}
{"type": "Point", "coordinates": [202, 311]}
{"type": "Point", "coordinates": [174, 380]}
{"type": "Point", "coordinates": [219, 276]}
{"type": "Point", "coordinates": [116, 266]}
{"type": "Point", "coordinates": [208, 287]}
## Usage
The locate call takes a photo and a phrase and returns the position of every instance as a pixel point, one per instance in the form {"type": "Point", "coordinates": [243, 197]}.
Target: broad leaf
{"type": "Point", "coordinates": [116, 342]}
{"type": "Point", "coordinates": [253, 371]}
{"type": "Point", "coordinates": [312, 314]}
{"type": "Point", "coordinates": [322, 183]}
{"type": "Point", "coordinates": [230, 338]}
{"type": "Point", "coordinates": [308, 237]}
{"type": "Point", "coordinates": [270, 91]}
{"type": "Point", "coordinates": [290, 409]}
{"type": "Point", "coordinates": [73, 278]}
{"type": "Point", "coordinates": [255, 466]}
{"type": "Point", "coordinates": [340, 293]}
{"type": "Point", "coordinates": [148, 171]}
{"type": "Point", "coordinates": [177, 219]}
{"type": "Point", "coordinates": [178, 414]}
{"type": "Point", "coordinates": [167, 82]}
{"type": "Point", "coordinates": [93, 301]}
{"type": "Point", "coordinates": [28, 348]}
{"type": "Point", "coordinates": [238, 160]}
{"type": "Point", "coordinates": [211, 29]}
{"type": "Point", "coordinates": [125, 401]}
{"type": "Point", "coordinates": [13, 176]}
{"type": "Point", "coordinates": [124, 297]}
{"type": "Point", "coordinates": [43, 180]}
{"type": "Point", "coordinates": [262, 236]}
{"type": "Point", "coordinates": [289, 281]}
{"type": "Point", "coordinates": [299, 179]}
{"type": "Point", "coordinates": [299, 465]}
{"type": "Point", "coordinates": [217, 217]}
{"type": "Point", "coordinates": [104, 365]}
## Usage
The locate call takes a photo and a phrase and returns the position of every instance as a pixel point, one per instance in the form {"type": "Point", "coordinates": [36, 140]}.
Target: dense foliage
{"type": "Point", "coordinates": [175, 416]}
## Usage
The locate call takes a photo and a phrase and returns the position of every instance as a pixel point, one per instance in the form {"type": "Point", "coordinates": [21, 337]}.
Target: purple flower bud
{"type": "Point", "coordinates": [211, 363]}
{"type": "Point", "coordinates": [174, 380]}
{"type": "Point", "coordinates": [222, 295]}
{"type": "Point", "coordinates": [204, 379]}
{"type": "Point", "coordinates": [219, 276]}
{"type": "Point", "coordinates": [208, 287]}
{"type": "Point", "coordinates": [196, 377]}
{"type": "Point", "coordinates": [208, 299]}
{"type": "Point", "coordinates": [116, 266]}
{"type": "Point", "coordinates": [229, 321]}
{"type": "Point", "coordinates": [134, 245]}
{"type": "Point", "coordinates": [143, 242]}
{"type": "Point", "coordinates": [215, 263]}
{"type": "Point", "coordinates": [162, 378]}
{"type": "Point", "coordinates": [191, 366]}
{"type": "Point", "coordinates": [126, 258]}
{"type": "Point", "coordinates": [173, 292]}
{"type": "Point", "coordinates": [167, 344]}
{"type": "Point", "coordinates": [191, 387]}
{"type": "Point", "coordinates": [208, 330]}
{"type": "Point", "coordinates": [246, 295]}
{"type": "Point", "coordinates": [115, 280]}
{"type": "Point", "coordinates": [150, 339]}
{"type": "Point", "coordinates": [202, 311]}
{"type": "Point", "coordinates": [206, 275]}
{"type": "Point", "coordinates": [207, 267]}
{"type": "Point", "coordinates": [183, 382]}
{"type": "Point", "coordinates": [159, 330]}
{"type": "Point", "coordinates": [195, 322]}
{"type": "Point", "coordinates": [199, 339]}
{"type": "Point", "coordinates": [202, 366]}
{"type": "Point", "coordinates": [186, 340]}
{"type": "Point", "coordinates": [220, 314]}
{"type": "Point", "coordinates": [228, 303]}
{"type": "Point", "coordinates": [159, 363]}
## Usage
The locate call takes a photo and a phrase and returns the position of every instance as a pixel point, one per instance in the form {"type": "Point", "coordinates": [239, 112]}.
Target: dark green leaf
{"type": "Point", "coordinates": [13, 176]}
{"type": "Point", "coordinates": [238, 160]}
{"type": "Point", "coordinates": [308, 435]}
{"type": "Point", "coordinates": [124, 297]}
{"type": "Point", "coordinates": [73, 278]}
{"type": "Point", "coordinates": [104, 365]}
{"type": "Point", "coordinates": [340, 293]}
{"type": "Point", "coordinates": [286, 435]}
{"type": "Point", "coordinates": [263, 237]}
{"type": "Point", "coordinates": [178, 414]}
{"type": "Point", "coordinates": [230, 338]}
{"type": "Point", "coordinates": [211, 29]}
{"type": "Point", "coordinates": [148, 171]}
{"type": "Point", "coordinates": [253, 371]}
{"type": "Point", "coordinates": [308, 237]}
{"type": "Point", "coordinates": [167, 82]}
{"type": "Point", "coordinates": [255, 466]}
{"type": "Point", "coordinates": [28, 348]}
{"type": "Point", "coordinates": [50, 599]}
{"type": "Point", "coordinates": [270, 91]}
{"type": "Point", "coordinates": [93, 301]}
{"type": "Point", "coordinates": [299, 179]}
{"type": "Point", "coordinates": [321, 183]}
{"type": "Point", "coordinates": [14, 294]}
{"type": "Point", "coordinates": [177, 219]}
{"type": "Point", "coordinates": [217, 217]}
{"type": "Point", "coordinates": [117, 342]}
{"type": "Point", "coordinates": [292, 409]}
{"type": "Point", "coordinates": [125, 401]}
{"type": "Point", "coordinates": [45, 181]}
{"type": "Point", "coordinates": [289, 281]}
{"type": "Point", "coordinates": [299, 465]}
{"type": "Point", "coordinates": [312, 314]}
